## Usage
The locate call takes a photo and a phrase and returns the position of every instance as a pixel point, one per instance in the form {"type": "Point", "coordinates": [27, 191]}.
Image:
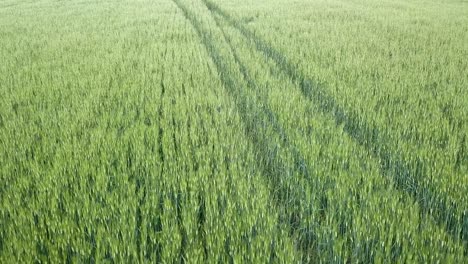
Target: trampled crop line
{"type": "Point", "coordinates": [177, 199]}
{"type": "Point", "coordinates": [140, 184]}
{"type": "Point", "coordinates": [229, 83]}
{"type": "Point", "coordinates": [300, 163]}
{"type": "Point", "coordinates": [254, 119]}
{"type": "Point", "coordinates": [161, 131]}
{"type": "Point", "coordinates": [157, 249]}
{"type": "Point", "coordinates": [366, 135]}
{"type": "Point", "coordinates": [267, 110]}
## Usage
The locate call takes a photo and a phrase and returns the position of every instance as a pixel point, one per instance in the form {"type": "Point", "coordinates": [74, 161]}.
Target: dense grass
{"type": "Point", "coordinates": [226, 131]}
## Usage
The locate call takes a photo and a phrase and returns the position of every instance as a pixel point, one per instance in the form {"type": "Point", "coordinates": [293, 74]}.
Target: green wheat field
{"type": "Point", "coordinates": [233, 131]}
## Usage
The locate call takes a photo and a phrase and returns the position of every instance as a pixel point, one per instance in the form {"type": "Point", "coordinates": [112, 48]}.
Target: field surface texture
{"type": "Point", "coordinates": [225, 131]}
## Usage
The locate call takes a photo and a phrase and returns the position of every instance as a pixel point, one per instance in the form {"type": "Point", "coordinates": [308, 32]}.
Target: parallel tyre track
{"type": "Point", "coordinates": [405, 176]}
{"type": "Point", "coordinates": [255, 118]}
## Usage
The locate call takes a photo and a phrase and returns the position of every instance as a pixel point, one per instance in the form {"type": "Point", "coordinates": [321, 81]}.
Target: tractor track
{"type": "Point", "coordinates": [255, 119]}
{"type": "Point", "coordinates": [405, 176]}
